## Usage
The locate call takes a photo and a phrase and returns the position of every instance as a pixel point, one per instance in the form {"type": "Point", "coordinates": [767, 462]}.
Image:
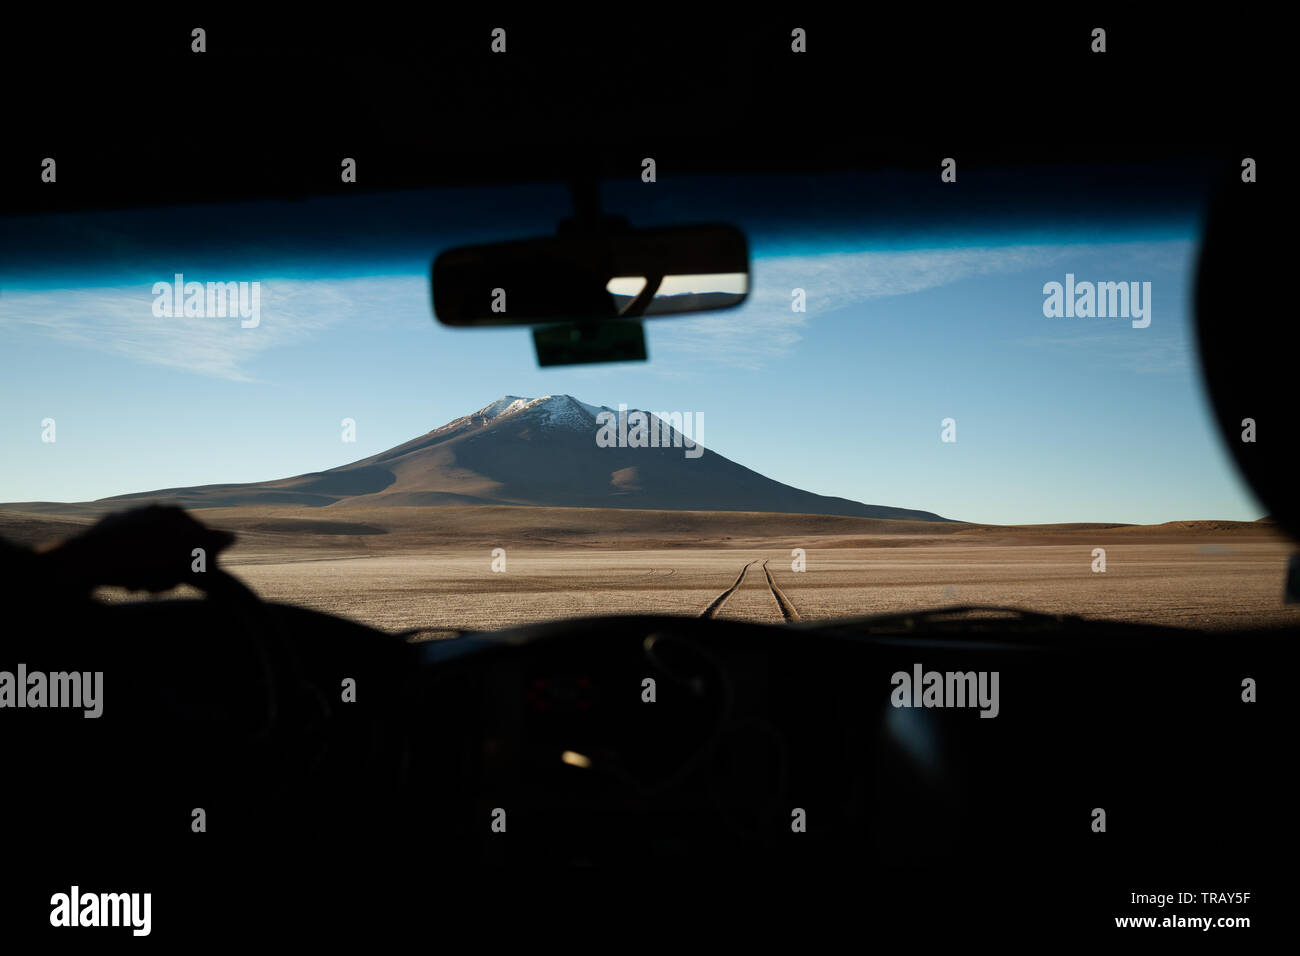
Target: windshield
{"type": "Point", "coordinates": [995, 404]}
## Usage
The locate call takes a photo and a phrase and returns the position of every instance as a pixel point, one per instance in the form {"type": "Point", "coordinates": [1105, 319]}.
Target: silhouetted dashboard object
{"type": "Point", "coordinates": [553, 732]}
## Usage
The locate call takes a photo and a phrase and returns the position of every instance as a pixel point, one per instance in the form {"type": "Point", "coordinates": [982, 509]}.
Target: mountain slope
{"type": "Point", "coordinates": [542, 451]}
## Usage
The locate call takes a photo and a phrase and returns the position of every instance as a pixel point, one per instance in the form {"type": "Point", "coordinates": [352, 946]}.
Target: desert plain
{"type": "Point", "coordinates": [432, 568]}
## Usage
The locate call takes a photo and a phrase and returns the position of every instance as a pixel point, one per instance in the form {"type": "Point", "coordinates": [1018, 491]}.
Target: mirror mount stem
{"type": "Point", "coordinates": [585, 192]}
{"type": "Point", "coordinates": [587, 218]}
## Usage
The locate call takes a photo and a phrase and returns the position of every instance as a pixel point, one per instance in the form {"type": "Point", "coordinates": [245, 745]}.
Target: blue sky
{"type": "Point", "coordinates": [1057, 419]}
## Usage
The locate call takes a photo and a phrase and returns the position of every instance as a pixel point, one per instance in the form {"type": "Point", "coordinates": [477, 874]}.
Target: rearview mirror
{"type": "Point", "coordinates": [592, 277]}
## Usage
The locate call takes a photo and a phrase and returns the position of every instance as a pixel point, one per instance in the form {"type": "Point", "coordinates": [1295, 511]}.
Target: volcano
{"type": "Point", "coordinates": [539, 452]}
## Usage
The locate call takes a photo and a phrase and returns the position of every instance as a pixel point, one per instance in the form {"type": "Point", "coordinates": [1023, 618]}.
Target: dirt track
{"type": "Point", "coordinates": [1192, 584]}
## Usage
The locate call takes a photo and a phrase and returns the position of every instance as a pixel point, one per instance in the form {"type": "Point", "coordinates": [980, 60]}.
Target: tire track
{"type": "Point", "coordinates": [721, 599]}
{"type": "Point", "coordinates": [787, 609]}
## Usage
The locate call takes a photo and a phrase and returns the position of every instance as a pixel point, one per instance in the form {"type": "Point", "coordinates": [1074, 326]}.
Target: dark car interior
{"type": "Point", "coordinates": [328, 818]}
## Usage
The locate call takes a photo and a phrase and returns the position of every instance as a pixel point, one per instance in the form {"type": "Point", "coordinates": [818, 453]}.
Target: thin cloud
{"type": "Point", "coordinates": [119, 320]}
{"type": "Point", "coordinates": [766, 328]}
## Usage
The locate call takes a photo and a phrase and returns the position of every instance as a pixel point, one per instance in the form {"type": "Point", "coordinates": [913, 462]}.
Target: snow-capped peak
{"type": "Point", "coordinates": [561, 410]}
{"type": "Point", "coordinates": [502, 406]}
